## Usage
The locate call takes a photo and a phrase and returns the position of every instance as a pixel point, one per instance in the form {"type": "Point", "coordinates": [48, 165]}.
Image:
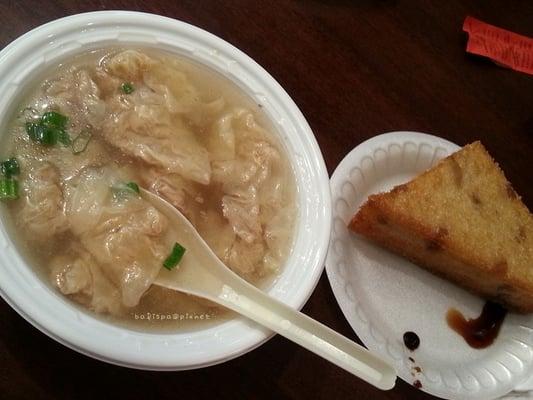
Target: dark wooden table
{"type": "Point", "coordinates": [356, 69]}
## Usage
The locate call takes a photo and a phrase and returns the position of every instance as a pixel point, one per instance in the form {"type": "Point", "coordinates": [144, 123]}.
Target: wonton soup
{"type": "Point", "coordinates": [93, 131]}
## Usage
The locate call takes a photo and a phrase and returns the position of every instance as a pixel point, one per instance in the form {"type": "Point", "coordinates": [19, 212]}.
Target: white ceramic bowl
{"type": "Point", "coordinates": [54, 315]}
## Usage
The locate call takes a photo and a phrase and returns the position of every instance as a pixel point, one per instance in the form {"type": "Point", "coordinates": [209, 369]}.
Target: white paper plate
{"type": "Point", "coordinates": [382, 295]}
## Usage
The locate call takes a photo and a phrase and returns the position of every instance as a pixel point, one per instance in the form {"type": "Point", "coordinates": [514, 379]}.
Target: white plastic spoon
{"type": "Point", "coordinates": [202, 274]}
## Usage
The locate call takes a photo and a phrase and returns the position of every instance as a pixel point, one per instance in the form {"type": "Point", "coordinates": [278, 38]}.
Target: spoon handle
{"type": "Point", "coordinates": [203, 274]}
{"type": "Point", "coordinates": [308, 333]}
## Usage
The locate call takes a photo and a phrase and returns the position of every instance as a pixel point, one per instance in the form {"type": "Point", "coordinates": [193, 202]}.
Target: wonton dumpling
{"type": "Point", "coordinates": [151, 122]}
{"type": "Point", "coordinates": [129, 65]}
{"type": "Point", "coordinates": [238, 150]}
{"type": "Point", "coordinates": [243, 164]}
{"type": "Point", "coordinates": [137, 133]}
{"type": "Point", "coordinates": [77, 95]}
{"type": "Point", "coordinates": [42, 213]}
{"type": "Point", "coordinates": [126, 236]}
{"type": "Point", "coordinates": [79, 276]}
{"type": "Point", "coordinates": [171, 187]}
{"type": "Point", "coordinates": [242, 211]}
{"type": "Point", "coordinates": [183, 194]}
{"type": "Point", "coordinates": [145, 132]}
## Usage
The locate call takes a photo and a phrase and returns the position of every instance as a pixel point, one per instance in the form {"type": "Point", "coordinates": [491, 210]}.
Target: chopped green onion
{"type": "Point", "coordinates": [127, 87]}
{"type": "Point", "coordinates": [47, 136]}
{"type": "Point", "coordinates": [175, 257]}
{"type": "Point", "coordinates": [41, 133]}
{"type": "Point", "coordinates": [33, 129]}
{"type": "Point", "coordinates": [54, 119]}
{"type": "Point", "coordinates": [133, 186]}
{"type": "Point", "coordinates": [9, 189]}
{"type": "Point", "coordinates": [80, 142]}
{"type": "Point", "coordinates": [50, 129]}
{"type": "Point", "coordinates": [123, 191]}
{"type": "Point", "coordinates": [10, 167]}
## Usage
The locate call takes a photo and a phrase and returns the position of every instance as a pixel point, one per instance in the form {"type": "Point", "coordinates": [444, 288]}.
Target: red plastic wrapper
{"type": "Point", "coordinates": [506, 48]}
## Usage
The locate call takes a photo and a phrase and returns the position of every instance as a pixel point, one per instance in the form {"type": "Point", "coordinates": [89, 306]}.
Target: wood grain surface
{"type": "Point", "coordinates": [356, 69]}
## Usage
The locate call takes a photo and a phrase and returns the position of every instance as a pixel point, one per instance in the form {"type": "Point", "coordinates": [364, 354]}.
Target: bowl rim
{"type": "Point", "coordinates": [18, 284]}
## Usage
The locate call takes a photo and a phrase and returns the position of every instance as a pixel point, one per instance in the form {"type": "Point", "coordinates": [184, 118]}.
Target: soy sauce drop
{"type": "Point", "coordinates": [411, 340]}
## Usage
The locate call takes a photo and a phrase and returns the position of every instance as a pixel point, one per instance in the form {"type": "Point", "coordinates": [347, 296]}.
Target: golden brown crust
{"type": "Point", "coordinates": [442, 247]}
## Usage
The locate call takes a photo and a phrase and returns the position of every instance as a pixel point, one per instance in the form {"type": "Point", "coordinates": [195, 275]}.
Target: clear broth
{"type": "Point", "coordinates": [159, 309]}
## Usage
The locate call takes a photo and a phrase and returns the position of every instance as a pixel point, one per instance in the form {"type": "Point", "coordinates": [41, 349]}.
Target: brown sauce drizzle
{"type": "Point", "coordinates": [480, 332]}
